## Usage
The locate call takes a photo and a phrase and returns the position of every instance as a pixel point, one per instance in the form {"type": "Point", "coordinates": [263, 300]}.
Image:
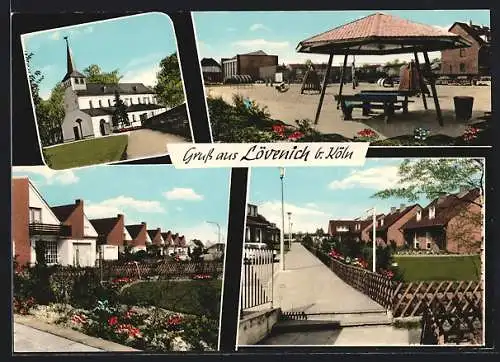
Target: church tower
{"type": "Point", "coordinates": [73, 78]}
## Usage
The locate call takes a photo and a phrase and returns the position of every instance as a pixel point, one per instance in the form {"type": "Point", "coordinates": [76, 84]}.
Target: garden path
{"type": "Point", "coordinates": [307, 285]}
{"type": "Point", "coordinates": [148, 143]}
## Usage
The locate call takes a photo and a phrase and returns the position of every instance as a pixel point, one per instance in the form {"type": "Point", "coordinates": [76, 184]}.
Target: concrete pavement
{"type": "Point", "coordinates": [148, 143]}
{"type": "Point", "coordinates": [307, 285]}
{"type": "Point", "coordinates": [28, 339]}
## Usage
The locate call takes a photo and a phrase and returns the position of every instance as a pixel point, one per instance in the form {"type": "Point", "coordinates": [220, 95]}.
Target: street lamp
{"type": "Point", "coordinates": [289, 230]}
{"type": "Point", "coordinates": [218, 229]}
{"type": "Point", "coordinates": [282, 231]}
{"type": "Point", "coordinates": [374, 237]}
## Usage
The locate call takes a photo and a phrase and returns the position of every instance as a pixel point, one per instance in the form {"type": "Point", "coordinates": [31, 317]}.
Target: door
{"type": "Point", "coordinates": [102, 127]}
{"type": "Point", "coordinates": [82, 254]}
{"type": "Point", "coordinates": [76, 132]}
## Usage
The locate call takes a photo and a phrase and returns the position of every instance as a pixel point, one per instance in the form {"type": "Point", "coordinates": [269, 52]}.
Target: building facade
{"type": "Point", "coordinates": [259, 229]}
{"type": "Point", "coordinates": [139, 237]}
{"type": "Point", "coordinates": [390, 226]}
{"type": "Point", "coordinates": [474, 60]}
{"type": "Point", "coordinates": [452, 223]}
{"type": "Point", "coordinates": [89, 107]}
{"type": "Point", "coordinates": [111, 236]}
{"type": "Point", "coordinates": [212, 71]}
{"type": "Point", "coordinates": [247, 64]}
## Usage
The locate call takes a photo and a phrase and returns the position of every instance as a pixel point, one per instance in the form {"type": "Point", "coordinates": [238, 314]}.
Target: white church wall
{"type": "Point", "coordinates": [96, 124]}
{"type": "Point", "coordinates": [70, 121]}
{"type": "Point", "coordinates": [109, 100]}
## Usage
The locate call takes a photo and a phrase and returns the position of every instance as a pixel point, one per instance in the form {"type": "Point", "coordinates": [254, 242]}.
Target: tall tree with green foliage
{"type": "Point", "coordinates": [120, 116]}
{"type": "Point", "coordinates": [168, 86]}
{"type": "Point", "coordinates": [94, 74]}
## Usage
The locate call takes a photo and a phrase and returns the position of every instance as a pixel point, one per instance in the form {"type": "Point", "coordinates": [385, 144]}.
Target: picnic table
{"type": "Point", "coordinates": [389, 101]}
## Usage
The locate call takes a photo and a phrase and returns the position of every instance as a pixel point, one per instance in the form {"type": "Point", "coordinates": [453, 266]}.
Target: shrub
{"type": "Point", "coordinates": [87, 289]}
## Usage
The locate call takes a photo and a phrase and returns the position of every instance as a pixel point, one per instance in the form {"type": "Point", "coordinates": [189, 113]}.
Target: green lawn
{"type": "Point", "coordinates": [420, 268]}
{"type": "Point", "coordinates": [198, 297]}
{"type": "Point", "coordinates": [87, 152]}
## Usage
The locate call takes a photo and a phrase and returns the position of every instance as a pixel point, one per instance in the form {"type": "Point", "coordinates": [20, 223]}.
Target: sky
{"type": "Point", "coordinates": [162, 196]}
{"type": "Point", "coordinates": [225, 34]}
{"type": "Point", "coordinates": [133, 44]}
{"type": "Point", "coordinates": [315, 195]}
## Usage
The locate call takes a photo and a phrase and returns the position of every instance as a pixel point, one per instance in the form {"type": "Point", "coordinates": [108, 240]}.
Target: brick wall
{"type": "Point", "coordinates": [75, 220]}
{"type": "Point", "coordinates": [452, 58]}
{"type": "Point", "coordinates": [464, 231]}
{"type": "Point", "coordinates": [115, 236]}
{"type": "Point", "coordinates": [250, 64]}
{"type": "Point", "coordinates": [20, 220]}
{"type": "Point", "coordinates": [395, 231]}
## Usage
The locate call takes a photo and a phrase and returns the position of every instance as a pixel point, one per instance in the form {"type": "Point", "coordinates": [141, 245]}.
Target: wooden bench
{"type": "Point", "coordinates": [388, 101]}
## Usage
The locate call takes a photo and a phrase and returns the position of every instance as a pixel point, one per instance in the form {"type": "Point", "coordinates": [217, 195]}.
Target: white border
{"type": "Point", "coordinates": [482, 279]}
{"type": "Point", "coordinates": [23, 37]}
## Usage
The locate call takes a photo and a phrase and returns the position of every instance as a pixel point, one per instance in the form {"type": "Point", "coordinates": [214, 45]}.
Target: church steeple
{"type": "Point", "coordinates": [73, 77]}
{"type": "Point", "coordinates": [70, 64]}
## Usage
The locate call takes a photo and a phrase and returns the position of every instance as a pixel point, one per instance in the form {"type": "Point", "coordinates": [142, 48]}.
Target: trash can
{"type": "Point", "coordinates": [463, 107]}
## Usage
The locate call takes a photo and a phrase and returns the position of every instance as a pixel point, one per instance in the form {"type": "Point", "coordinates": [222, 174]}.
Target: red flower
{"type": "Point", "coordinates": [174, 320]}
{"type": "Point", "coordinates": [279, 129]}
{"type": "Point", "coordinates": [295, 136]}
{"type": "Point", "coordinates": [129, 329]}
{"type": "Point", "coordinates": [112, 321]}
{"type": "Point", "coordinates": [79, 319]}
{"type": "Point", "coordinates": [129, 313]}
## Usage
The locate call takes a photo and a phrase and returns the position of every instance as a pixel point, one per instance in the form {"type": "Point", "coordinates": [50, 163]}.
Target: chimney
{"type": "Point", "coordinates": [143, 223]}
{"type": "Point", "coordinates": [78, 201]}
{"type": "Point", "coordinates": [103, 88]}
{"type": "Point", "coordinates": [158, 230]}
{"type": "Point", "coordinates": [470, 23]}
{"type": "Point", "coordinates": [119, 216]}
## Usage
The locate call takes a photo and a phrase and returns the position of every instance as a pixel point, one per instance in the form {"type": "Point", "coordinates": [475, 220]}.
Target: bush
{"type": "Point", "coordinates": [87, 289]}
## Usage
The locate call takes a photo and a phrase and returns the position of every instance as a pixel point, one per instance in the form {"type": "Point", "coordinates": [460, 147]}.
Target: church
{"type": "Point", "coordinates": [89, 107]}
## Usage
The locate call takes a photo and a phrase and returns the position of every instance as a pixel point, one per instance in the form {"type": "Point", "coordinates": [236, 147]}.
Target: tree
{"type": "Point", "coordinates": [169, 82]}
{"type": "Point", "coordinates": [196, 251]}
{"type": "Point", "coordinates": [432, 178]}
{"type": "Point", "coordinates": [119, 117]}
{"type": "Point", "coordinates": [94, 74]}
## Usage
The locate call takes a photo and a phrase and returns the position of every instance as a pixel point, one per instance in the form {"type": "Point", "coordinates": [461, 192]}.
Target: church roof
{"type": "Point", "coordinates": [96, 89]}
{"type": "Point", "coordinates": [106, 111]}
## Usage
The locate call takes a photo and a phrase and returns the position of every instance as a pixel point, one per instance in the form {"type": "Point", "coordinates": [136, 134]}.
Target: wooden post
{"type": "Point", "coordinates": [323, 89]}
{"type": "Point", "coordinates": [420, 80]}
{"type": "Point", "coordinates": [342, 76]}
{"type": "Point", "coordinates": [432, 80]}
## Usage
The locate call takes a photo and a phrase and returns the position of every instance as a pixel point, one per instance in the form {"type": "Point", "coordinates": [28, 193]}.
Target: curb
{"type": "Point", "coordinates": [72, 335]}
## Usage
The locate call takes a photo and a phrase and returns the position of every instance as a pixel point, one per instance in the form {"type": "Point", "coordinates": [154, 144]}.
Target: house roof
{"type": "Point", "coordinates": [63, 212]}
{"type": "Point", "coordinates": [350, 224]}
{"type": "Point", "coordinates": [446, 207]}
{"type": "Point", "coordinates": [260, 220]}
{"type": "Point", "coordinates": [105, 225]}
{"type": "Point", "coordinates": [475, 31]}
{"type": "Point", "coordinates": [106, 111]}
{"type": "Point", "coordinates": [393, 217]}
{"type": "Point", "coordinates": [152, 233]}
{"type": "Point", "coordinates": [134, 230]}
{"type": "Point", "coordinates": [209, 62]}
{"type": "Point", "coordinates": [96, 89]}
{"type": "Point", "coordinates": [166, 235]}
{"type": "Point", "coordinates": [258, 52]}
{"type": "Point", "coordinates": [381, 34]}
{"type": "Point", "coordinates": [177, 115]}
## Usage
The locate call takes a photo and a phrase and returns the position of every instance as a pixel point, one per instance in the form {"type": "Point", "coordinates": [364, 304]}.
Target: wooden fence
{"type": "Point", "coordinates": [451, 311]}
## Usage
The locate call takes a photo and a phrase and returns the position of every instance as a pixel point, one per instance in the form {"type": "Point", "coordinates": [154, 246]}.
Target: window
{"type": "Point", "coordinates": [35, 215]}
{"type": "Point", "coordinates": [90, 104]}
{"type": "Point", "coordinates": [462, 52]}
{"type": "Point", "coordinates": [247, 234]}
{"type": "Point", "coordinates": [428, 245]}
{"type": "Point", "coordinates": [257, 235]}
{"type": "Point", "coordinates": [419, 215]}
{"type": "Point", "coordinates": [382, 222]}
{"type": "Point", "coordinates": [462, 67]}
{"type": "Point", "coordinates": [133, 117]}
{"type": "Point", "coordinates": [109, 102]}
{"type": "Point", "coordinates": [131, 101]}
{"type": "Point", "coordinates": [342, 229]}
{"type": "Point", "coordinates": [145, 100]}
{"type": "Point", "coordinates": [100, 103]}
{"type": "Point", "coordinates": [51, 252]}
{"type": "Point", "coordinates": [432, 212]}
{"type": "Point", "coordinates": [139, 100]}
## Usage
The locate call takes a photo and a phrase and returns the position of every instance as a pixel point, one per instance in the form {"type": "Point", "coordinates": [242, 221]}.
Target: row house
{"type": "Point", "coordinates": [390, 226]}
{"type": "Point", "coordinates": [63, 234]}
{"type": "Point", "coordinates": [259, 229]}
{"type": "Point", "coordinates": [450, 222]}
{"type": "Point", "coordinates": [112, 236]}
{"type": "Point", "coordinates": [139, 237]}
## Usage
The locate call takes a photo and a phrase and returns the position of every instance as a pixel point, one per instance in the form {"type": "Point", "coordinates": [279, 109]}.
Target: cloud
{"type": "Point", "coordinates": [372, 178]}
{"type": "Point", "coordinates": [261, 43]}
{"type": "Point", "coordinates": [312, 205]}
{"type": "Point", "coordinates": [52, 177]}
{"type": "Point", "coordinates": [180, 193]}
{"type": "Point", "coordinates": [205, 232]}
{"type": "Point", "coordinates": [56, 35]}
{"type": "Point", "coordinates": [231, 29]}
{"type": "Point", "coordinates": [255, 27]}
{"type": "Point", "coordinates": [142, 75]}
{"type": "Point", "coordinates": [126, 202]}
{"type": "Point", "coordinates": [303, 218]}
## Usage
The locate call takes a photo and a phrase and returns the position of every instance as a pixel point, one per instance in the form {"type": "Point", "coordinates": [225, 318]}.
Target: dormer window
{"type": "Point", "coordinates": [432, 212]}
{"type": "Point", "coordinates": [419, 215]}
{"type": "Point", "coordinates": [382, 222]}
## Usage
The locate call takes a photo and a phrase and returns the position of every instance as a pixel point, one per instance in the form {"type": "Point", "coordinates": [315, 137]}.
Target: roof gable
{"type": "Point", "coordinates": [63, 212]}
{"type": "Point", "coordinates": [36, 200]}
{"type": "Point", "coordinates": [104, 226]}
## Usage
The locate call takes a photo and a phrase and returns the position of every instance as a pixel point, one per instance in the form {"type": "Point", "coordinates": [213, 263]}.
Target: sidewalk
{"type": "Point", "coordinates": [307, 285]}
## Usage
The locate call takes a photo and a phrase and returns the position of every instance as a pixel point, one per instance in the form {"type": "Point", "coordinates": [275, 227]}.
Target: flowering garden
{"type": "Point", "coordinates": [247, 121]}
{"type": "Point", "coordinates": [113, 310]}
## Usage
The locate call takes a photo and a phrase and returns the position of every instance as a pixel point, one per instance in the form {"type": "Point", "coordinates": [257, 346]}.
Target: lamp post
{"type": "Point", "coordinates": [374, 238]}
{"type": "Point", "coordinates": [282, 231]}
{"type": "Point", "coordinates": [289, 230]}
{"type": "Point", "coordinates": [218, 229]}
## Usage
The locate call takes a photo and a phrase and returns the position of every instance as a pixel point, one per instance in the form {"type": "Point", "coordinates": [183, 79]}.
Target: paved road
{"type": "Point", "coordinates": [147, 143]}
{"type": "Point", "coordinates": [27, 339]}
{"type": "Point", "coordinates": [308, 285]}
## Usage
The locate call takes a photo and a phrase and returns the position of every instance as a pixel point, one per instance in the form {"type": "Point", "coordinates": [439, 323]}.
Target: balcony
{"type": "Point", "coordinates": [49, 229]}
